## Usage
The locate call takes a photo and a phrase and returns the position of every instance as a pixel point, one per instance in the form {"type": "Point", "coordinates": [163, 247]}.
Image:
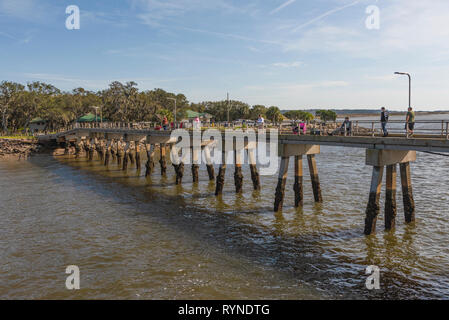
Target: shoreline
{"type": "Point", "coordinates": [18, 149]}
{"type": "Point", "coordinates": [392, 113]}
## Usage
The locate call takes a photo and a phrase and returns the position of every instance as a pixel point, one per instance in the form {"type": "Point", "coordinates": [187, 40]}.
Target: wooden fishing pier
{"type": "Point", "coordinates": [125, 145]}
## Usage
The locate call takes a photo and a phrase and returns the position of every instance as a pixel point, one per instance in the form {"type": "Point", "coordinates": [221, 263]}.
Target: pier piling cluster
{"type": "Point", "coordinates": [125, 149]}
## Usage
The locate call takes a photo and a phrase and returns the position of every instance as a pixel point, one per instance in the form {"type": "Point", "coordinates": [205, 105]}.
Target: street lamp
{"type": "Point", "coordinates": [228, 109]}
{"type": "Point", "coordinates": [175, 110]}
{"type": "Point", "coordinates": [409, 86]}
{"type": "Point", "coordinates": [96, 111]}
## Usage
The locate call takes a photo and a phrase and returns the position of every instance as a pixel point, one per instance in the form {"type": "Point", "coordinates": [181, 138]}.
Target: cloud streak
{"type": "Point", "coordinates": [282, 6]}
{"type": "Point", "coordinates": [326, 14]}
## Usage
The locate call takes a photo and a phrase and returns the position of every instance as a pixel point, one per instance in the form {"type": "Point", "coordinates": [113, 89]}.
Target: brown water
{"type": "Point", "coordinates": [138, 238]}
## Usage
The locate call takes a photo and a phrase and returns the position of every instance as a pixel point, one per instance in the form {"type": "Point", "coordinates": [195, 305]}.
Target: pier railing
{"type": "Point", "coordinates": [423, 128]}
{"type": "Point", "coordinates": [438, 129]}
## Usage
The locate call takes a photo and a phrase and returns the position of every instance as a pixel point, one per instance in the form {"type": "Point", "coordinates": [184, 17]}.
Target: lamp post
{"type": "Point", "coordinates": [101, 114]}
{"type": "Point", "coordinates": [228, 108]}
{"type": "Point", "coordinates": [175, 110]}
{"type": "Point", "coordinates": [409, 86]}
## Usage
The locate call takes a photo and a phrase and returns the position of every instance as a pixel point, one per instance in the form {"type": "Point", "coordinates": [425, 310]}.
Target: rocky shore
{"type": "Point", "coordinates": [19, 149]}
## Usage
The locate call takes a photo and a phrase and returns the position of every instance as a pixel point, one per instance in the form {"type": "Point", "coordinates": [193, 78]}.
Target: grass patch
{"type": "Point", "coordinates": [18, 137]}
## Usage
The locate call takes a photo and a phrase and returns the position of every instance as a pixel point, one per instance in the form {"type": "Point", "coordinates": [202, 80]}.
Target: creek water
{"type": "Point", "coordinates": [146, 238]}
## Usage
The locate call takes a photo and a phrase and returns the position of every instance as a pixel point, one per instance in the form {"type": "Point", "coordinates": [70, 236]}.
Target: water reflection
{"type": "Point", "coordinates": [143, 223]}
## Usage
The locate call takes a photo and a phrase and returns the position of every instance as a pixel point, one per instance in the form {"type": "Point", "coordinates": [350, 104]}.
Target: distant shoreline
{"type": "Point", "coordinates": [392, 113]}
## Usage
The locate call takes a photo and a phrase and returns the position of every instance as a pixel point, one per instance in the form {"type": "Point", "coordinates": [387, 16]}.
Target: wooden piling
{"type": "Point", "coordinates": [131, 155]}
{"type": "Point", "coordinates": [196, 153]}
{"type": "Point", "coordinates": [372, 210]}
{"type": "Point", "coordinates": [86, 148]}
{"type": "Point", "coordinates": [125, 157]}
{"type": "Point", "coordinates": [119, 153]}
{"type": "Point", "coordinates": [107, 153]}
{"type": "Point", "coordinates": [253, 168]}
{"type": "Point", "coordinates": [390, 198]}
{"type": "Point", "coordinates": [209, 165]}
{"type": "Point", "coordinates": [150, 162]}
{"type": "Point", "coordinates": [163, 160]}
{"type": "Point", "coordinates": [298, 186]}
{"type": "Point", "coordinates": [113, 151]}
{"type": "Point", "coordinates": [280, 189]}
{"type": "Point", "coordinates": [91, 151]}
{"type": "Point", "coordinates": [179, 169]}
{"type": "Point", "coordinates": [314, 178]}
{"type": "Point", "coordinates": [238, 175]}
{"type": "Point", "coordinates": [77, 149]}
{"type": "Point", "coordinates": [137, 155]}
{"type": "Point", "coordinates": [407, 192]}
{"type": "Point", "coordinates": [221, 176]}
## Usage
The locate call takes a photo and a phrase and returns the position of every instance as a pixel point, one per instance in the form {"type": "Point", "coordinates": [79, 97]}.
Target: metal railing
{"type": "Point", "coordinates": [396, 128]}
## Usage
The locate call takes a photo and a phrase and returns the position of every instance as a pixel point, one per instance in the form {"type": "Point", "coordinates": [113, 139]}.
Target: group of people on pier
{"type": "Point", "coordinates": [346, 126]}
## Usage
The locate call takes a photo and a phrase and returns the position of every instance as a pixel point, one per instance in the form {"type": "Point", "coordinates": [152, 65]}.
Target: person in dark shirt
{"type": "Point", "coordinates": [410, 122]}
{"type": "Point", "coordinates": [347, 125]}
{"type": "Point", "coordinates": [383, 120]}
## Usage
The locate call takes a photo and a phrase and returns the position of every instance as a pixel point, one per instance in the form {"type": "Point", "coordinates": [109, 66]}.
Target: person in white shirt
{"type": "Point", "coordinates": [260, 122]}
{"type": "Point", "coordinates": [197, 123]}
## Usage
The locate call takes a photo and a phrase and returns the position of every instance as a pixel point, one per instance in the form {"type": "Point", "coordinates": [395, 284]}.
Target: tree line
{"type": "Point", "coordinates": [120, 102]}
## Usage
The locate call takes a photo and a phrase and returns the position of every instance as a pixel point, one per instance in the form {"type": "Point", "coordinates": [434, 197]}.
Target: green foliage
{"type": "Point", "coordinates": [299, 115]}
{"type": "Point", "coordinates": [274, 114]}
{"type": "Point", "coordinates": [326, 115]}
{"type": "Point", "coordinates": [165, 113]}
{"type": "Point", "coordinates": [120, 102]}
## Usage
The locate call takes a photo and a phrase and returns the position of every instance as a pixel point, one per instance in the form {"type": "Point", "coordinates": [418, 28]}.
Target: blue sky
{"type": "Point", "coordinates": [293, 54]}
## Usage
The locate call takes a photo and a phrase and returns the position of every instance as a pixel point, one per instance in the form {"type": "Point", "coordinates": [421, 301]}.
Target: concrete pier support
{"type": "Point", "coordinates": [314, 178]}
{"type": "Point", "coordinates": [163, 159]}
{"type": "Point", "coordinates": [407, 192]}
{"type": "Point", "coordinates": [389, 158]}
{"type": "Point", "coordinates": [238, 175]}
{"type": "Point", "coordinates": [280, 189]}
{"type": "Point", "coordinates": [221, 175]}
{"type": "Point", "coordinates": [298, 186]}
{"type": "Point", "coordinates": [372, 210]}
{"type": "Point", "coordinates": [253, 168]}
{"type": "Point", "coordinates": [150, 162]}
{"type": "Point", "coordinates": [137, 155]}
{"type": "Point", "coordinates": [390, 197]}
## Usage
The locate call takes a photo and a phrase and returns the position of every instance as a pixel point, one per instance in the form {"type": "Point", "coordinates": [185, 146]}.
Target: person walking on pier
{"type": "Point", "coordinates": [383, 120]}
{"type": "Point", "coordinates": [410, 122]}
{"type": "Point", "coordinates": [165, 123]}
{"type": "Point", "coordinates": [260, 122]}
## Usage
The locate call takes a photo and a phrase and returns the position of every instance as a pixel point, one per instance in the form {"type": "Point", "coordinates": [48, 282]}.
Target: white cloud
{"type": "Point", "coordinates": [295, 64]}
